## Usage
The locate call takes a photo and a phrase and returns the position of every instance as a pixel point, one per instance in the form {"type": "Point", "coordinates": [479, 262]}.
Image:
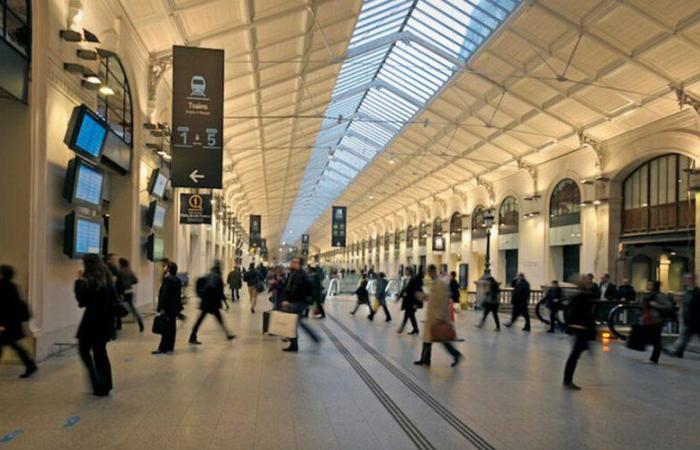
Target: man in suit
{"type": "Point", "coordinates": [520, 299]}
{"type": "Point", "coordinates": [212, 295]}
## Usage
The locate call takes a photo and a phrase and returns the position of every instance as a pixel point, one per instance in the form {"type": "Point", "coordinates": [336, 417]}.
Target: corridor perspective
{"type": "Point", "coordinates": [350, 224]}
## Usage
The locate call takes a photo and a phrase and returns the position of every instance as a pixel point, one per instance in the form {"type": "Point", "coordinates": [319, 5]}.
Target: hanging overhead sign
{"type": "Point", "coordinates": [195, 209]}
{"type": "Point", "coordinates": [338, 224]}
{"type": "Point", "coordinates": [304, 245]}
{"type": "Point", "coordinates": [198, 117]}
{"type": "Point", "coordinates": [254, 240]}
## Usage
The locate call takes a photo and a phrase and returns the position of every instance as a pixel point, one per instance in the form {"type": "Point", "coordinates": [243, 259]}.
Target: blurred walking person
{"type": "Point", "coordinates": [170, 305]}
{"type": "Point", "coordinates": [95, 292]}
{"type": "Point", "coordinates": [235, 282]}
{"type": "Point", "coordinates": [380, 295]}
{"type": "Point", "coordinates": [520, 298]}
{"type": "Point", "coordinates": [13, 313]}
{"type": "Point", "coordinates": [553, 301]}
{"type": "Point", "coordinates": [211, 291]}
{"type": "Point", "coordinates": [691, 315]}
{"type": "Point", "coordinates": [410, 302]}
{"type": "Point", "coordinates": [490, 303]}
{"type": "Point", "coordinates": [656, 309]}
{"type": "Point", "coordinates": [297, 297]}
{"type": "Point", "coordinates": [580, 320]}
{"type": "Point", "coordinates": [128, 281]}
{"type": "Point", "coordinates": [437, 320]}
{"type": "Point", "coordinates": [362, 297]}
{"type": "Point", "coordinates": [253, 280]}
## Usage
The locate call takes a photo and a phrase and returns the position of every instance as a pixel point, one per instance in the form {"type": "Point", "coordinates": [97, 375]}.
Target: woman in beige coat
{"type": "Point", "coordinates": [437, 312]}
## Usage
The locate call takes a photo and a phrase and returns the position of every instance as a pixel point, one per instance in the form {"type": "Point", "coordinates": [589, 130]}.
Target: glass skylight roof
{"type": "Point", "coordinates": [401, 54]}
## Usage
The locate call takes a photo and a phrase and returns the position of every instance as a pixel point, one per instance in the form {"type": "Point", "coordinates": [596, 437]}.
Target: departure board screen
{"type": "Point", "coordinates": [91, 135]}
{"type": "Point", "coordinates": [158, 216]}
{"type": "Point", "coordinates": [88, 236]}
{"type": "Point", "coordinates": [88, 186]}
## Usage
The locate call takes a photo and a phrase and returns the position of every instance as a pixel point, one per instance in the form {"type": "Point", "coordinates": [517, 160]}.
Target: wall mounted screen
{"type": "Point", "coordinates": [82, 235]}
{"type": "Point", "coordinates": [86, 133]}
{"type": "Point", "coordinates": [83, 184]}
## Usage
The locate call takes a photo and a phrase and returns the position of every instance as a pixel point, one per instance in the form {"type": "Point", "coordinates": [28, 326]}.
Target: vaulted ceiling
{"type": "Point", "coordinates": [555, 70]}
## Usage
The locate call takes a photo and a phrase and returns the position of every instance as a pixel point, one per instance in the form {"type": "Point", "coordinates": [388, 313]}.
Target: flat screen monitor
{"type": "Point", "coordinates": [86, 133]}
{"type": "Point", "coordinates": [155, 218]}
{"type": "Point", "coordinates": [82, 235]}
{"type": "Point", "coordinates": [157, 184]}
{"type": "Point", "coordinates": [83, 184]}
{"type": "Point", "coordinates": [155, 248]}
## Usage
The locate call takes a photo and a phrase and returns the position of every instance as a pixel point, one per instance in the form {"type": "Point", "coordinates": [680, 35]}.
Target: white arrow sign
{"type": "Point", "coordinates": [196, 176]}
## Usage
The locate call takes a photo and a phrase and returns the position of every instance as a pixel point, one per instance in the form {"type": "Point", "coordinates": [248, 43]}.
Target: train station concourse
{"type": "Point", "coordinates": [350, 224]}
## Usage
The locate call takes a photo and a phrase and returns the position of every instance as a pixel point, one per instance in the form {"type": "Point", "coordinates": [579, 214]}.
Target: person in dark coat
{"type": "Point", "coordinates": [235, 282]}
{"type": "Point", "coordinates": [491, 303]}
{"type": "Point", "coordinates": [520, 299]}
{"type": "Point", "coordinates": [297, 297]}
{"type": "Point", "coordinates": [626, 293]}
{"type": "Point", "coordinates": [211, 297]}
{"type": "Point", "coordinates": [580, 320]}
{"type": "Point", "coordinates": [13, 312]}
{"type": "Point", "coordinates": [252, 278]}
{"type": "Point", "coordinates": [277, 287]}
{"type": "Point", "coordinates": [317, 294]}
{"type": "Point", "coordinates": [691, 315]}
{"type": "Point", "coordinates": [553, 301]}
{"type": "Point", "coordinates": [95, 291]}
{"type": "Point", "coordinates": [128, 281]}
{"type": "Point", "coordinates": [409, 301]}
{"type": "Point", "coordinates": [111, 262]}
{"type": "Point", "coordinates": [170, 305]}
{"type": "Point", "coordinates": [656, 308]}
{"type": "Point", "coordinates": [607, 289]}
{"type": "Point", "coordinates": [380, 294]}
{"type": "Point", "coordinates": [362, 295]}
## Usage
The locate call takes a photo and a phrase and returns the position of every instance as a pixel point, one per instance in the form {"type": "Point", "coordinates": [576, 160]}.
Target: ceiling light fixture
{"type": "Point", "coordinates": [93, 79]}
{"type": "Point", "coordinates": [106, 91]}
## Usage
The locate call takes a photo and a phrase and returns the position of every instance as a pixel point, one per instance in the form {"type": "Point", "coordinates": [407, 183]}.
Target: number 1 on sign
{"type": "Point", "coordinates": [183, 133]}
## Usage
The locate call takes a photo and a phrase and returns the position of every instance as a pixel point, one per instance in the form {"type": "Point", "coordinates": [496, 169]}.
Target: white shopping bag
{"type": "Point", "coordinates": [283, 324]}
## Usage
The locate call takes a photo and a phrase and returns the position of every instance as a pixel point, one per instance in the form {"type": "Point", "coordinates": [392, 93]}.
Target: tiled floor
{"type": "Point", "coordinates": [248, 394]}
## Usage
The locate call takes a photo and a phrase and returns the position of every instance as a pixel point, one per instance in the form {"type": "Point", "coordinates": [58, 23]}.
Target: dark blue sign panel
{"type": "Point", "coordinates": [338, 226]}
{"type": "Point", "coordinates": [198, 117]}
{"type": "Point", "coordinates": [255, 231]}
{"type": "Point", "coordinates": [304, 245]}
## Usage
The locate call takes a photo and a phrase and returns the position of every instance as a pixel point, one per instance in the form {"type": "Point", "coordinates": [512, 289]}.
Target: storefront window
{"type": "Point", "coordinates": [456, 227]}
{"type": "Point", "coordinates": [478, 229]}
{"type": "Point", "coordinates": [15, 25]}
{"type": "Point", "coordinates": [565, 204]}
{"type": "Point", "coordinates": [422, 234]}
{"type": "Point", "coordinates": [656, 196]}
{"type": "Point", "coordinates": [508, 219]}
{"type": "Point", "coordinates": [114, 98]}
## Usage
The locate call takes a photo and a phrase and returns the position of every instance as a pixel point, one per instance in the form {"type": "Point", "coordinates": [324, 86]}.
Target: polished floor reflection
{"type": "Point", "coordinates": [358, 389]}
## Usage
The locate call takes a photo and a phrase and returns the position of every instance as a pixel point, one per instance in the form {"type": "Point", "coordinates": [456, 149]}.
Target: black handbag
{"type": "Point", "coordinates": [160, 323]}
{"type": "Point", "coordinates": [638, 338]}
{"type": "Point", "coordinates": [119, 308]}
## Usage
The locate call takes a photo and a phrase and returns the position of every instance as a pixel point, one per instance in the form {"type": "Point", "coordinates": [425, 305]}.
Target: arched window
{"type": "Point", "coordinates": [16, 31]}
{"type": "Point", "coordinates": [114, 98]}
{"type": "Point", "coordinates": [655, 196]}
{"type": "Point", "coordinates": [565, 204]}
{"type": "Point", "coordinates": [409, 236]}
{"type": "Point", "coordinates": [456, 227]}
{"type": "Point", "coordinates": [508, 218]}
{"type": "Point", "coordinates": [422, 234]}
{"type": "Point", "coordinates": [478, 229]}
{"type": "Point", "coordinates": [438, 236]}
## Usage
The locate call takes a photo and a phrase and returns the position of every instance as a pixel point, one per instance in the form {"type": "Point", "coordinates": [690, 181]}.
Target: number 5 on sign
{"type": "Point", "coordinates": [211, 137]}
